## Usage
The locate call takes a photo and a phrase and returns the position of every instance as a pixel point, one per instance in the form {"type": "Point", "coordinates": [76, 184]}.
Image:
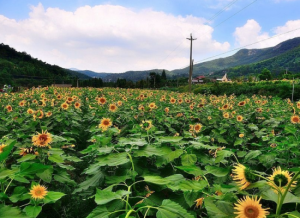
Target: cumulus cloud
{"type": "Point", "coordinates": [252, 32]}
{"type": "Point", "coordinates": [109, 38]}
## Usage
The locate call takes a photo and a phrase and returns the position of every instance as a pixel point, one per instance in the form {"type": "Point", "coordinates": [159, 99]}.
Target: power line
{"type": "Point", "coordinates": [246, 45]}
{"type": "Point", "coordinates": [236, 13]}
{"type": "Point", "coordinates": [211, 19]}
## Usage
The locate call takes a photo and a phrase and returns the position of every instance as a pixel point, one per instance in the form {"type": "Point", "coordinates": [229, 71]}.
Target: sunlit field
{"type": "Point", "coordinates": [86, 152]}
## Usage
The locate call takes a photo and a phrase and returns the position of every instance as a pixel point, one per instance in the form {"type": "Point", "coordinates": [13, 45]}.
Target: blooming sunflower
{"type": "Point", "coordinates": [1, 148]}
{"type": "Point", "coordinates": [70, 99]}
{"type": "Point", "coordinates": [105, 123]}
{"type": "Point", "coordinates": [38, 192]}
{"type": "Point", "coordinates": [295, 119]}
{"type": "Point", "coordinates": [239, 118]}
{"type": "Point", "coordinates": [280, 180]}
{"type": "Point", "coordinates": [64, 106]}
{"type": "Point", "coordinates": [119, 103]}
{"type": "Point", "coordinates": [77, 105]}
{"type": "Point", "coordinates": [152, 105]}
{"type": "Point", "coordinates": [225, 107]}
{"type": "Point", "coordinates": [167, 110]}
{"type": "Point", "coordinates": [49, 114]}
{"type": "Point", "coordinates": [242, 103]}
{"type": "Point", "coordinates": [172, 100]}
{"type": "Point", "coordinates": [250, 208]}
{"type": "Point", "coordinates": [30, 111]}
{"type": "Point", "coordinates": [113, 108]}
{"type": "Point", "coordinates": [242, 175]}
{"type": "Point", "coordinates": [42, 139]}
{"type": "Point", "coordinates": [22, 103]}
{"type": "Point", "coordinates": [241, 135]}
{"type": "Point", "coordinates": [9, 108]}
{"type": "Point", "coordinates": [226, 115]}
{"type": "Point", "coordinates": [197, 127]}
{"type": "Point", "coordinates": [59, 97]}
{"type": "Point", "coordinates": [102, 100]}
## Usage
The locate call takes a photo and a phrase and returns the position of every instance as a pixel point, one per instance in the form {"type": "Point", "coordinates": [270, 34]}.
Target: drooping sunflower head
{"type": "Point", "coordinates": [42, 139]}
{"type": "Point", "coordinates": [280, 179]}
{"type": "Point", "coordinates": [105, 123]}
{"type": "Point", "coordinates": [199, 202]}
{"type": "Point", "coordinates": [38, 192]}
{"type": "Point", "coordinates": [242, 176]}
{"type": "Point", "coordinates": [250, 208]}
{"type": "Point", "coordinates": [146, 124]}
{"type": "Point", "coordinates": [295, 119]}
{"type": "Point", "coordinates": [1, 147]}
{"type": "Point", "coordinates": [39, 114]}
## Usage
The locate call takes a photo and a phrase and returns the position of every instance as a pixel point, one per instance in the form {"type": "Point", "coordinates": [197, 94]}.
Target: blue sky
{"type": "Point", "coordinates": [117, 36]}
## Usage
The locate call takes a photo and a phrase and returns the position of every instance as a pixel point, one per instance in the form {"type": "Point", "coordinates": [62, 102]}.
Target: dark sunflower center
{"type": "Point", "coordinates": [251, 212]}
{"type": "Point", "coordinates": [43, 138]}
{"type": "Point", "coordinates": [249, 176]}
{"type": "Point", "coordinates": [105, 123]}
{"type": "Point", "coordinates": [280, 180]}
{"type": "Point", "coordinates": [296, 119]}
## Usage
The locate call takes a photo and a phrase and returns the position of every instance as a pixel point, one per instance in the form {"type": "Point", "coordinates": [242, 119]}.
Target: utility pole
{"type": "Point", "coordinates": [191, 63]}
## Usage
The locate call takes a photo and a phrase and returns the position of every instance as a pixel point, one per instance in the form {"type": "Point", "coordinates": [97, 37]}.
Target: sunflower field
{"type": "Point", "coordinates": [130, 153]}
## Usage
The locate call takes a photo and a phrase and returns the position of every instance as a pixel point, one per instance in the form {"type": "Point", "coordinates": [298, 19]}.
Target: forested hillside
{"type": "Point", "coordinates": [19, 68]}
{"type": "Point", "coordinates": [289, 61]}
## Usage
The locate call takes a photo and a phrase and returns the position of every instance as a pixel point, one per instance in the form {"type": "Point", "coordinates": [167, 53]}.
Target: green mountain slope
{"type": "Point", "coordinates": [242, 57]}
{"type": "Point", "coordinates": [21, 67]}
{"type": "Point", "coordinates": [289, 60]}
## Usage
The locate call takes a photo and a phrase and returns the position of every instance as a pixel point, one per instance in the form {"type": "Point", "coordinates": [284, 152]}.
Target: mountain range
{"type": "Point", "coordinates": [246, 61]}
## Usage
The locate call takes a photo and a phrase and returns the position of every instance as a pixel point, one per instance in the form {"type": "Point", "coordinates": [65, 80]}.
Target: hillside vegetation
{"type": "Point", "coordinates": [22, 69]}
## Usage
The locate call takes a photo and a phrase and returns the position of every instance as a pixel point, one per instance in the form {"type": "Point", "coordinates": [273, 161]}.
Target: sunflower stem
{"type": "Point", "coordinates": [8, 185]}
{"type": "Point", "coordinates": [278, 210]}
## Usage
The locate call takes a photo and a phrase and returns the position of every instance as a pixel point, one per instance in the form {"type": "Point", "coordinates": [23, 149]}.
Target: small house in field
{"type": "Point", "coordinates": [224, 79]}
{"type": "Point", "coordinates": [62, 85]}
{"type": "Point", "coordinates": [198, 80]}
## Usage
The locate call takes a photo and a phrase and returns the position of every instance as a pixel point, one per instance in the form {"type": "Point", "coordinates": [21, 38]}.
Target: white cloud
{"type": "Point", "coordinates": [107, 38]}
{"type": "Point", "coordinates": [251, 33]}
